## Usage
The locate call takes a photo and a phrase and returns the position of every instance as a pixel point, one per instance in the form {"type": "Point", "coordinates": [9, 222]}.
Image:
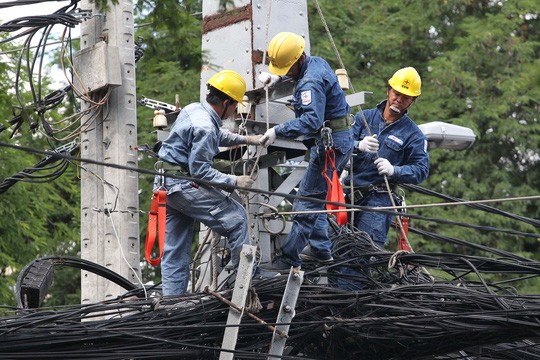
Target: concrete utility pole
{"type": "Point", "coordinates": [109, 198]}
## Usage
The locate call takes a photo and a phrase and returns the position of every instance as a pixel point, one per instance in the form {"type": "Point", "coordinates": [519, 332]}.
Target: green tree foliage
{"type": "Point", "coordinates": [36, 218]}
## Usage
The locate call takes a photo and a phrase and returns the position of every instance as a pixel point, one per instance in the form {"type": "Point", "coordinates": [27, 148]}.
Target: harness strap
{"type": "Point", "coordinates": [156, 220]}
{"type": "Point", "coordinates": [403, 243]}
{"type": "Point", "coordinates": [166, 166]}
{"type": "Point", "coordinates": [335, 190]}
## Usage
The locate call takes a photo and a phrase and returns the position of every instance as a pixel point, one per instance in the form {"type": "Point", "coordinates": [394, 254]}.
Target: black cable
{"type": "Point", "coordinates": [422, 190]}
{"type": "Point", "coordinates": [77, 263]}
{"type": "Point", "coordinates": [50, 162]}
{"type": "Point", "coordinates": [7, 4]}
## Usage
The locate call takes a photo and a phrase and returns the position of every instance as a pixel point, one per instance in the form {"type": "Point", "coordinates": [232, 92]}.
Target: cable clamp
{"type": "Point", "coordinates": [82, 14]}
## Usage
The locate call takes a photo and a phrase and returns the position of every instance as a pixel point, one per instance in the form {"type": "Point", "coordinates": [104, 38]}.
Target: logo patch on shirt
{"type": "Point", "coordinates": [393, 138]}
{"type": "Point", "coordinates": [306, 97]}
{"type": "Point", "coordinates": [425, 146]}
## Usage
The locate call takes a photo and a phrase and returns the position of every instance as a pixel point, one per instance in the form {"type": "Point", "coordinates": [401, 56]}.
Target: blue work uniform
{"type": "Point", "coordinates": [404, 145]}
{"type": "Point", "coordinates": [193, 142]}
{"type": "Point", "coordinates": [317, 98]}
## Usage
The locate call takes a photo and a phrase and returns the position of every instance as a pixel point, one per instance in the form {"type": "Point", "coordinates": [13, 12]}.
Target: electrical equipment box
{"type": "Point", "coordinates": [35, 284]}
{"type": "Point", "coordinates": [97, 67]}
{"type": "Point", "coordinates": [442, 135]}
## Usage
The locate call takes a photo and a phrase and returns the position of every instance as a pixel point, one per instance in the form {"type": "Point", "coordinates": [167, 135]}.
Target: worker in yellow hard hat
{"type": "Point", "coordinates": [388, 144]}
{"type": "Point", "coordinates": [189, 151]}
{"type": "Point", "coordinates": [318, 102]}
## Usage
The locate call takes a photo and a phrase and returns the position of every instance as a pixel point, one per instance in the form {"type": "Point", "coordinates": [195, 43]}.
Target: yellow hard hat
{"type": "Point", "coordinates": [229, 82]}
{"type": "Point", "coordinates": [406, 81]}
{"type": "Point", "coordinates": [284, 50]}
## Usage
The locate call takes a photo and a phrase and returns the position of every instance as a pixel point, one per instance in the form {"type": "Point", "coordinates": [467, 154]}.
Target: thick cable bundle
{"type": "Point", "coordinates": [406, 305]}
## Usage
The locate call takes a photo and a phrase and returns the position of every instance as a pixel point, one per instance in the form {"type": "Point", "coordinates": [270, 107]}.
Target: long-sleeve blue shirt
{"type": "Point", "coordinates": [194, 141]}
{"type": "Point", "coordinates": [402, 143]}
{"type": "Point", "coordinates": [317, 97]}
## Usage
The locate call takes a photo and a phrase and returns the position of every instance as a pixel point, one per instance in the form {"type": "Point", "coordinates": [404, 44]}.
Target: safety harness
{"type": "Point", "coordinates": [401, 222]}
{"type": "Point", "coordinates": [335, 190]}
{"type": "Point", "coordinates": [156, 225]}
{"type": "Point", "coordinates": [403, 243]}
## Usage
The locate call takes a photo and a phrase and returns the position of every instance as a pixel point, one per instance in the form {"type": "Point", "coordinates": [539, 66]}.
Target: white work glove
{"type": "Point", "coordinates": [268, 79]}
{"type": "Point", "coordinates": [244, 181]}
{"type": "Point", "coordinates": [268, 138]}
{"type": "Point", "coordinates": [384, 167]}
{"type": "Point", "coordinates": [343, 176]}
{"type": "Point", "coordinates": [369, 144]}
{"type": "Point", "coordinates": [253, 139]}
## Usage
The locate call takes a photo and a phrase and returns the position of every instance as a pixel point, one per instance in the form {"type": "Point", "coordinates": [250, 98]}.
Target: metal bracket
{"type": "Point", "coordinates": [157, 105]}
{"type": "Point", "coordinates": [83, 14]}
{"type": "Point", "coordinates": [68, 148]}
{"type": "Point", "coordinates": [286, 313]}
{"type": "Point", "coordinates": [239, 296]}
{"type": "Point", "coordinates": [280, 90]}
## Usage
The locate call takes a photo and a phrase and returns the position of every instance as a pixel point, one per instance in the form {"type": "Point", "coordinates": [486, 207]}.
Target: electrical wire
{"type": "Point", "coordinates": [54, 165]}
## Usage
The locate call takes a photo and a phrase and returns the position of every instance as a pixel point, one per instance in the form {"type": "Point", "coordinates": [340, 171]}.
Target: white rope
{"type": "Point", "coordinates": [332, 42]}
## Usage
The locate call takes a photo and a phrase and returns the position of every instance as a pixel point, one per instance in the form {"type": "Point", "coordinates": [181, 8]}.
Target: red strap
{"type": "Point", "coordinates": [156, 219]}
{"type": "Point", "coordinates": [335, 190]}
{"type": "Point", "coordinates": [402, 242]}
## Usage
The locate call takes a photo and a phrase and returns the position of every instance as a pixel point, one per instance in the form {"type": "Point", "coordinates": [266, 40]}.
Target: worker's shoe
{"type": "Point", "coordinates": [309, 255]}
{"type": "Point", "coordinates": [279, 264]}
{"type": "Point", "coordinates": [259, 273]}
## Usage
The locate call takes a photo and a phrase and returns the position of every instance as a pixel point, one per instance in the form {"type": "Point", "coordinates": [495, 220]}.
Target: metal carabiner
{"type": "Point", "coordinates": [161, 182]}
{"type": "Point", "coordinates": [326, 137]}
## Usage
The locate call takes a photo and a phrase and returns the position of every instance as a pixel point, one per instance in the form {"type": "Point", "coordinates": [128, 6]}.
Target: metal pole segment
{"type": "Point", "coordinates": [240, 292]}
{"type": "Point", "coordinates": [286, 313]}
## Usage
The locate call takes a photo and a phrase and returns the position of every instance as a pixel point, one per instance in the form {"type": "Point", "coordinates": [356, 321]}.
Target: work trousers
{"type": "Point", "coordinates": [376, 224]}
{"type": "Point", "coordinates": [186, 204]}
{"type": "Point", "coordinates": [313, 228]}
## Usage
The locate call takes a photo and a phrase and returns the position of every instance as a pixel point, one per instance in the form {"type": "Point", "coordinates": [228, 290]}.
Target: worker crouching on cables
{"type": "Point", "coordinates": [389, 144]}
{"type": "Point", "coordinates": [189, 150]}
{"type": "Point", "coordinates": [319, 104]}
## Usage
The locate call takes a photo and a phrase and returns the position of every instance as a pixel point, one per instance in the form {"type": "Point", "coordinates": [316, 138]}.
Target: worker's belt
{"type": "Point", "coordinates": [167, 166]}
{"type": "Point", "coordinates": [340, 124]}
{"type": "Point", "coordinates": [363, 191]}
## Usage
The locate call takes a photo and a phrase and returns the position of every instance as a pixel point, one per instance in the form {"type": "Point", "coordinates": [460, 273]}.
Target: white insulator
{"type": "Point", "coordinates": [243, 106]}
{"type": "Point", "coordinates": [343, 78]}
{"type": "Point", "coordinates": [160, 121]}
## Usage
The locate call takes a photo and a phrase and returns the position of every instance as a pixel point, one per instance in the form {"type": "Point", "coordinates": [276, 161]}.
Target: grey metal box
{"type": "Point", "coordinates": [97, 67]}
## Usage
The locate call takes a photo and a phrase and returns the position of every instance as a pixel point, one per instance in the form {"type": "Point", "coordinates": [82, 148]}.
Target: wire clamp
{"type": "Point", "coordinates": [82, 14]}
